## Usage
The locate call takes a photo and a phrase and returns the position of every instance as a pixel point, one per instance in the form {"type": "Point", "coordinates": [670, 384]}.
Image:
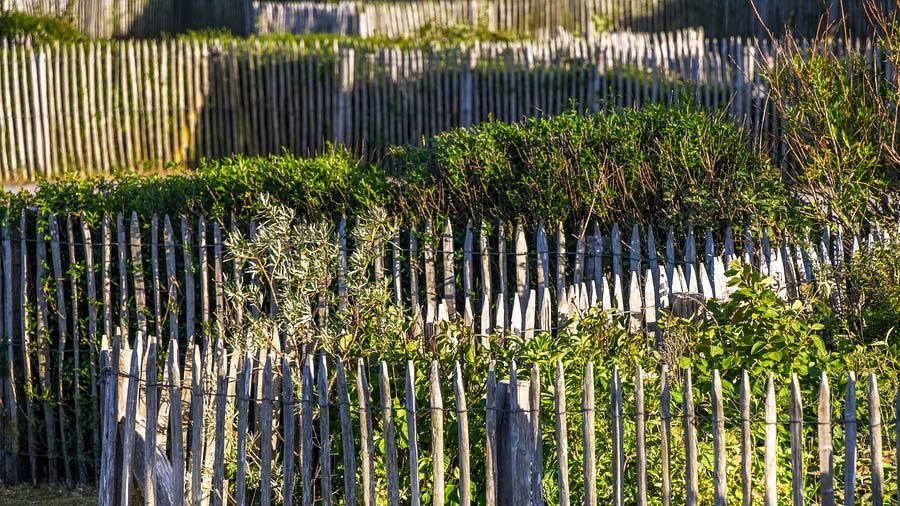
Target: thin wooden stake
{"type": "Point", "coordinates": [875, 435]}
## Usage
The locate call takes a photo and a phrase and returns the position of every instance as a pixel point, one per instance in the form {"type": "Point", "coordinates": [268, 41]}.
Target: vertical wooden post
{"type": "Point", "coordinates": [367, 445]}
{"type": "Point", "coordinates": [324, 431]}
{"type": "Point", "coordinates": [875, 435]}
{"type": "Point", "coordinates": [826, 451]}
{"type": "Point", "coordinates": [850, 441]}
{"type": "Point", "coordinates": [390, 456]}
{"type": "Point", "coordinates": [796, 416]}
{"type": "Point", "coordinates": [349, 449]}
{"type": "Point", "coordinates": [690, 442]}
{"type": "Point", "coordinates": [175, 423]}
{"type": "Point", "coordinates": [618, 451]}
{"type": "Point", "coordinates": [718, 421]}
{"type": "Point", "coordinates": [588, 428]}
{"type": "Point", "coordinates": [771, 445]}
{"type": "Point", "coordinates": [437, 434]}
{"type": "Point", "coordinates": [640, 436]}
{"type": "Point", "coordinates": [746, 441]}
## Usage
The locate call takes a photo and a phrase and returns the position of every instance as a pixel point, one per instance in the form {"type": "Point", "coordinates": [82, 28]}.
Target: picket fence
{"type": "Point", "coordinates": [535, 18]}
{"type": "Point", "coordinates": [170, 437]}
{"type": "Point", "coordinates": [116, 280]}
{"type": "Point", "coordinates": [96, 107]}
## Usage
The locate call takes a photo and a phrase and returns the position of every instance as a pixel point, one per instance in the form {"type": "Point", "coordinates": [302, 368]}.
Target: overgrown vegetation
{"type": "Point", "coordinates": [753, 330]}
{"type": "Point", "coordinates": [658, 164]}
{"type": "Point", "coordinates": [839, 106]}
{"type": "Point", "coordinates": [655, 165]}
{"type": "Point", "coordinates": [38, 29]}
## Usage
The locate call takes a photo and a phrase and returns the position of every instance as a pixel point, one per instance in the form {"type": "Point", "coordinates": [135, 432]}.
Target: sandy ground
{"type": "Point", "coordinates": [47, 496]}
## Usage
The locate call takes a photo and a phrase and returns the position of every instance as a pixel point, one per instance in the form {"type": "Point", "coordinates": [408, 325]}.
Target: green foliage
{"type": "Point", "coordinates": [660, 165]}
{"type": "Point", "coordinates": [40, 29]}
{"type": "Point", "coordinates": [656, 165]}
{"type": "Point", "coordinates": [316, 188]}
{"type": "Point", "coordinates": [873, 293]}
{"type": "Point", "coordinates": [753, 330]}
{"type": "Point", "coordinates": [840, 127]}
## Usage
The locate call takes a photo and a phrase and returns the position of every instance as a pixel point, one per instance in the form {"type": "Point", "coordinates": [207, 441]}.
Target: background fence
{"type": "Point", "coordinates": [63, 291]}
{"type": "Point", "coordinates": [535, 18]}
{"type": "Point", "coordinates": [99, 106]}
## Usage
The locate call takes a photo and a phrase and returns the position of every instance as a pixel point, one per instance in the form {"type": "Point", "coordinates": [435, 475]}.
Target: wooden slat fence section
{"type": "Point", "coordinates": [650, 415]}
{"type": "Point", "coordinates": [227, 110]}
{"type": "Point", "coordinates": [40, 450]}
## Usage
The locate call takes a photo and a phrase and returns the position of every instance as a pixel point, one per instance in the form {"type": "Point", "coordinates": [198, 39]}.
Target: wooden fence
{"type": "Point", "coordinates": [172, 435]}
{"type": "Point", "coordinates": [535, 18]}
{"type": "Point", "coordinates": [96, 107]}
{"type": "Point", "coordinates": [65, 284]}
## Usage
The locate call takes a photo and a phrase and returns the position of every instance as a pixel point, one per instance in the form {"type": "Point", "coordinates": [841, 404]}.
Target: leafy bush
{"type": "Point", "coordinates": [40, 29]}
{"type": "Point", "coordinates": [655, 165]}
{"type": "Point", "coordinates": [840, 123]}
{"type": "Point", "coordinates": [873, 293]}
{"type": "Point", "coordinates": [320, 187]}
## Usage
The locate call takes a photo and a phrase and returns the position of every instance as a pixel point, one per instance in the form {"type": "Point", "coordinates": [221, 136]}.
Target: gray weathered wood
{"type": "Point", "coordinates": [154, 275]}
{"type": "Point", "coordinates": [197, 401]}
{"type": "Point", "coordinates": [665, 403]}
{"type": "Point", "coordinates": [151, 396]}
{"type": "Point", "coordinates": [137, 273]}
{"type": "Point", "coordinates": [616, 428]}
{"type": "Point", "coordinates": [390, 445]}
{"type": "Point", "coordinates": [348, 447]}
{"type": "Point", "coordinates": [536, 440]}
{"type": "Point", "coordinates": [718, 422]}
{"type": "Point", "coordinates": [62, 342]}
{"type": "Point", "coordinates": [462, 416]}
{"type": "Point", "coordinates": [367, 445]}
{"type": "Point", "coordinates": [771, 444]}
{"type": "Point", "coordinates": [876, 455]}
{"type": "Point", "coordinates": [13, 412]}
{"type": "Point", "coordinates": [171, 310]}
{"type": "Point", "coordinates": [826, 451]}
{"type": "Point", "coordinates": [588, 435]}
{"type": "Point", "coordinates": [189, 297]}
{"type": "Point", "coordinates": [110, 424]}
{"type": "Point", "coordinates": [243, 393]}
{"type": "Point", "coordinates": [289, 423]}
{"type": "Point", "coordinates": [746, 441]}
{"type": "Point", "coordinates": [131, 403]}
{"type": "Point", "coordinates": [306, 429]}
{"type": "Point", "coordinates": [437, 434]}
{"type": "Point", "coordinates": [265, 435]}
{"type": "Point", "coordinates": [415, 493]}
{"type": "Point", "coordinates": [640, 432]}
{"type": "Point", "coordinates": [690, 442]}
{"type": "Point", "coordinates": [562, 438]}
{"type": "Point", "coordinates": [490, 419]}
{"type": "Point", "coordinates": [26, 346]}
{"type": "Point", "coordinates": [449, 272]}
{"type": "Point", "coordinates": [850, 427]}
{"type": "Point", "coordinates": [44, 365]}
{"type": "Point", "coordinates": [176, 429]}
{"type": "Point", "coordinates": [795, 412]}
{"type": "Point", "coordinates": [324, 431]}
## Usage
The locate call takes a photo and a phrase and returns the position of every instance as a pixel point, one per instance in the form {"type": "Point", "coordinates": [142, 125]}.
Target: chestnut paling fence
{"type": "Point", "coordinates": [535, 18]}
{"type": "Point", "coordinates": [99, 106]}
{"type": "Point", "coordinates": [65, 284]}
{"type": "Point", "coordinates": [169, 438]}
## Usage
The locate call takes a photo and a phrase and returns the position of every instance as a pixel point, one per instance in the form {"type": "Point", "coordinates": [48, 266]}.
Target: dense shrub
{"type": "Point", "coordinates": [40, 29]}
{"type": "Point", "coordinates": [320, 187]}
{"type": "Point", "coordinates": [654, 165]}
{"type": "Point", "coordinates": [840, 122]}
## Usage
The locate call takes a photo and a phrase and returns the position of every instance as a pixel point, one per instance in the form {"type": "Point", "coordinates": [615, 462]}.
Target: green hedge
{"type": "Point", "coordinates": [655, 165]}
